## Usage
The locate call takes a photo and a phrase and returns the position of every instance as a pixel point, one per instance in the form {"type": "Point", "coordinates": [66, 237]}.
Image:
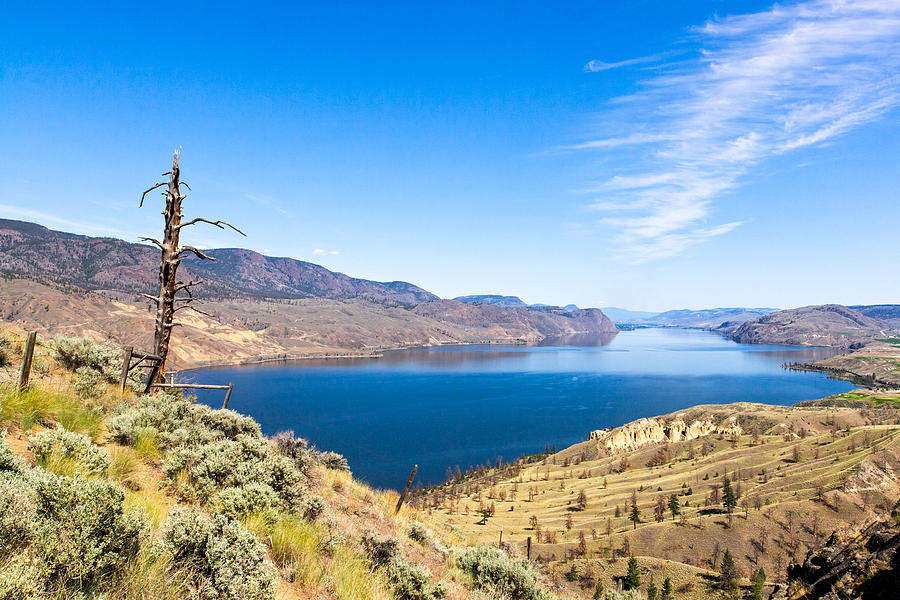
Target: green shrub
{"type": "Point", "coordinates": [381, 549]}
{"type": "Point", "coordinates": [492, 570]}
{"type": "Point", "coordinates": [225, 560]}
{"type": "Point", "coordinates": [237, 502]}
{"type": "Point", "coordinates": [418, 532]}
{"type": "Point", "coordinates": [413, 583]}
{"type": "Point", "coordinates": [175, 422]}
{"type": "Point", "coordinates": [89, 384]}
{"type": "Point", "coordinates": [18, 514]}
{"type": "Point", "coordinates": [295, 448]}
{"type": "Point", "coordinates": [312, 506]}
{"type": "Point", "coordinates": [77, 353]}
{"type": "Point", "coordinates": [10, 463]}
{"type": "Point", "coordinates": [22, 576]}
{"type": "Point", "coordinates": [200, 471]}
{"type": "Point", "coordinates": [58, 444]}
{"type": "Point", "coordinates": [83, 532]}
{"type": "Point", "coordinates": [333, 460]}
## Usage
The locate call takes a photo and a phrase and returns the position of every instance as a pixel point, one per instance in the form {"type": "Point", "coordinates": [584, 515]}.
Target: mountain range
{"type": "Point", "coordinates": [709, 318]}
{"type": "Point", "coordinates": [255, 307]}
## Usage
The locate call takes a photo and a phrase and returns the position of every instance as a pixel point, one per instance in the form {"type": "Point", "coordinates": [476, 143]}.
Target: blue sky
{"type": "Point", "coordinates": [650, 155]}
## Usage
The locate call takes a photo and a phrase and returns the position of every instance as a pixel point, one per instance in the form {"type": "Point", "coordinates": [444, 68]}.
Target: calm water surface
{"type": "Point", "coordinates": [465, 405]}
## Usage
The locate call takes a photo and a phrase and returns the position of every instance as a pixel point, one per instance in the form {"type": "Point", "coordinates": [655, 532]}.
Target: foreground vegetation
{"type": "Point", "coordinates": [121, 496]}
{"type": "Point", "coordinates": [109, 495]}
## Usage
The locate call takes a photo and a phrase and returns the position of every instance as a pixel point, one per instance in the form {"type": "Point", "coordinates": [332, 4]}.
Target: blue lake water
{"type": "Point", "coordinates": [465, 405]}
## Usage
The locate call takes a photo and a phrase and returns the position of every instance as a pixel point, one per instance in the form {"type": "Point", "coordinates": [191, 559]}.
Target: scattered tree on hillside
{"type": "Point", "coordinates": [714, 559]}
{"type": "Point", "coordinates": [659, 511]}
{"type": "Point", "coordinates": [533, 520]}
{"type": "Point", "coordinates": [167, 300]}
{"type": "Point", "coordinates": [674, 506]}
{"type": "Point", "coordinates": [728, 578]}
{"type": "Point", "coordinates": [635, 516]}
{"type": "Point", "coordinates": [632, 579]}
{"type": "Point", "coordinates": [667, 589]}
{"type": "Point", "coordinates": [569, 522]}
{"type": "Point", "coordinates": [582, 500]}
{"type": "Point", "coordinates": [757, 580]}
{"type": "Point", "coordinates": [652, 592]}
{"type": "Point", "coordinates": [729, 499]}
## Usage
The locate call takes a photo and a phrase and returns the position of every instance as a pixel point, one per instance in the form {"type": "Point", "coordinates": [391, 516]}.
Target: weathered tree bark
{"type": "Point", "coordinates": [167, 300]}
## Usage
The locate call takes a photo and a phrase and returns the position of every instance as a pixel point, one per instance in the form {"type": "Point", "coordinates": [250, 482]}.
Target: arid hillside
{"type": "Point", "coordinates": [253, 307]}
{"type": "Point", "coordinates": [659, 489]}
{"type": "Point", "coordinates": [242, 330]}
{"type": "Point", "coordinates": [825, 325]}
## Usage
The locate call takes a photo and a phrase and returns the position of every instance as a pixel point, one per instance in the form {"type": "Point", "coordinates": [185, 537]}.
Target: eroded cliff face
{"type": "Point", "coordinates": [652, 431]}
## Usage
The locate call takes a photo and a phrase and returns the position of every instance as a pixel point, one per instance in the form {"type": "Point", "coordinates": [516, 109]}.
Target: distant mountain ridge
{"type": "Point", "coordinates": [494, 299]}
{"type": "Point", "coordinates": [708, 318]}
{"type": "Point", "coordinates": [515, 301]}
{"type": "Point", "coordinates": [112, 264]}
{"type": "Point", "coordinates": [255, 307]}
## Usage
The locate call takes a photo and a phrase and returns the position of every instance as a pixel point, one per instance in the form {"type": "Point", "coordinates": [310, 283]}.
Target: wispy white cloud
{"type": "Point", "coordinates": [764, 84]}
{"type": "Point", "coordinates": [599, 65]}
{"type": "Point", "coordinates": [318, 251]}
{"type": "Point", "coordinates": [18, 212]}
{"type": "Point", "coordinates": [268, 202]}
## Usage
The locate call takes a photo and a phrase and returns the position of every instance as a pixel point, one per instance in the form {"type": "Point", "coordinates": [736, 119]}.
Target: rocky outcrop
{"type": "Point", "coordinates": [865, 566]}
{"type": "Point", "coordinates": [653, 431]}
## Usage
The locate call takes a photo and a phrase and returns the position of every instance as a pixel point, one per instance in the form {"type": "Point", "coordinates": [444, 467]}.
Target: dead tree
{"type": "Point", "coordinates": [173, 295]}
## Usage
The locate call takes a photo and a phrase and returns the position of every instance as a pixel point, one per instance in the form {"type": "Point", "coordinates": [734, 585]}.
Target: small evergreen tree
{"type": "Point", "coordinates": [632, 579]}
{"type": "Point", "coordinates": [667, 589]}
{"type": "Point", "coordinates": [674, 506]}
{"type": "Point", "coordinates": [652, 592]}
{"type": "Point", "coordinates": [758, 580]}
{"type": "Point", "coordinates": [729, 499]}
{"type": "Point", "coordinates": [635, 516]}
{"type": "Point", "coordinates": [728, 578]}
{"type": "Point", "coordinates": [598, 591]}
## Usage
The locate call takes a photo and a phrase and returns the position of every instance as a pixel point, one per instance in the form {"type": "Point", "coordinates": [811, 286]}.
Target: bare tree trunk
{"type": "Point", "coordinates": [167, 300]}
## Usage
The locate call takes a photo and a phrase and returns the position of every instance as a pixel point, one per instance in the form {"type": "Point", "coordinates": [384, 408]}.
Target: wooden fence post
{"type": "Point", "coordinates": [151, 377]}
{"type": "Point", "coordinates": [528, 547]}
{"type": "Point", "coordinates": [406, 489]}
{"type": "Point", "coordinates": [500, 545]}
{"type": "Point", "coordinates": [126, 363]}
{"type": "Point", "coordinates": [228, 395]}
{"type": "Point", "coordinates": [27, 357]}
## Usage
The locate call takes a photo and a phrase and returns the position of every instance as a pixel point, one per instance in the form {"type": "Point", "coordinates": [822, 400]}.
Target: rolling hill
{"type": "Point", "coordinates": [799, 474]}
{"type": "Point", "coordinates": [823, 325]}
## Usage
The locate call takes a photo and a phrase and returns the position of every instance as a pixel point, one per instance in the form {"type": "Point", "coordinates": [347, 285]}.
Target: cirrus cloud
{"type": "Point", "coordinates": [761, 85]}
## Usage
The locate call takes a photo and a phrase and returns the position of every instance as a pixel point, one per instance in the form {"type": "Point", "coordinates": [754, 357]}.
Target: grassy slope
{"type": "Point", "coordinates": [793, 517]}
{"type": "Point", "coordinates": [319, 559]}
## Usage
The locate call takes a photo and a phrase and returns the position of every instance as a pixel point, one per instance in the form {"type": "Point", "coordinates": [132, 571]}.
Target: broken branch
{"type": "Point", "coordinates": [219, 224]}
{"type": "Point", "coordinates": [144, 195]}
{"type": "Point", "coordinates": [198, 253]}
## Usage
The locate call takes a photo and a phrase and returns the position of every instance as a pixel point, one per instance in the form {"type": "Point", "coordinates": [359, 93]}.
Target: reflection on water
{"type": "Point", "coordinates": [580, 339]}
{"type": "Point", "coordinates": [463, 405]}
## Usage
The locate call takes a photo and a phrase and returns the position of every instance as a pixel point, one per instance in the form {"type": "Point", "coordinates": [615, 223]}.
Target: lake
{"type": "Point", "coordinates": [465, 405]}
